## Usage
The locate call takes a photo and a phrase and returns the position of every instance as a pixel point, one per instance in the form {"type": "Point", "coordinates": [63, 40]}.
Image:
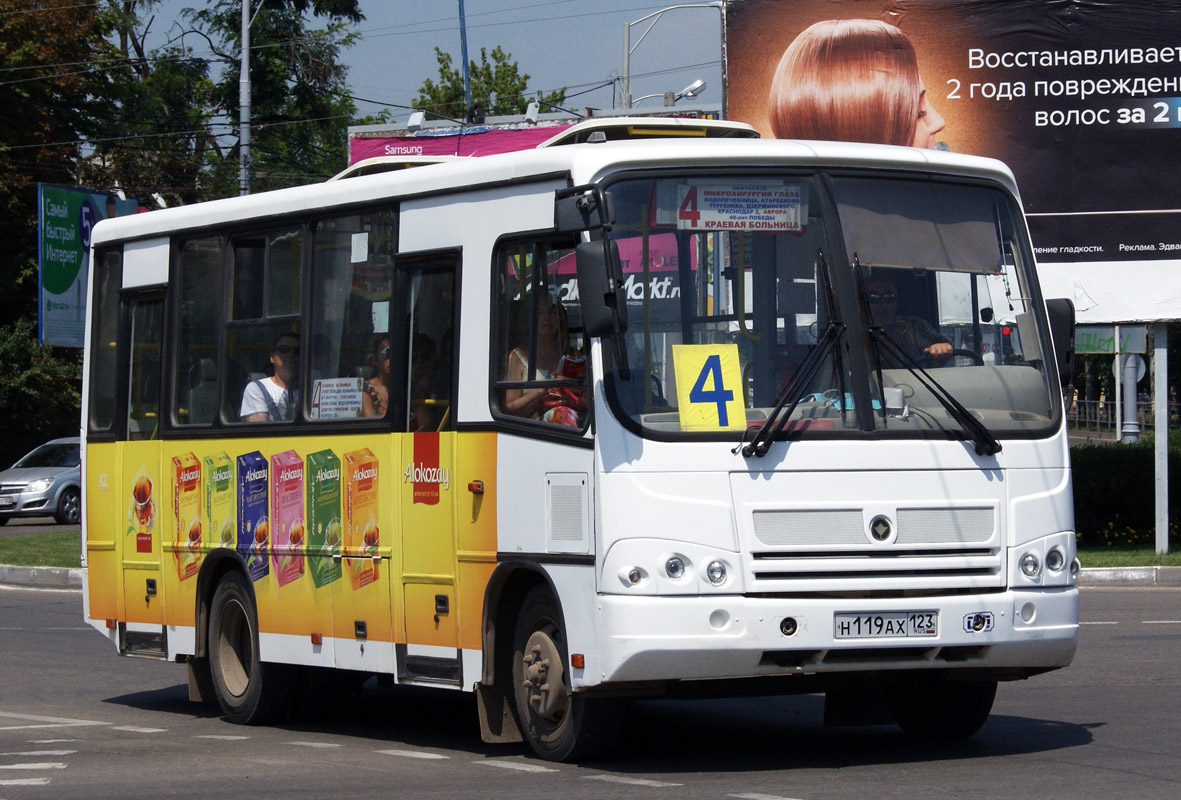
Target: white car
{"type": "Point", "coordinates": [46, 482]}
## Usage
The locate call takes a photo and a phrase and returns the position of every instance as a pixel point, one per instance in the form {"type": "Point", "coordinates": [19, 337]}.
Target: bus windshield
{"type": "Point", "coordinates": [812, 293]}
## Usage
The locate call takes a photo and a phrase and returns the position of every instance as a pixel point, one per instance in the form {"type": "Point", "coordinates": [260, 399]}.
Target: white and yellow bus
{"type": "Point", "coordinates": [584, 423]}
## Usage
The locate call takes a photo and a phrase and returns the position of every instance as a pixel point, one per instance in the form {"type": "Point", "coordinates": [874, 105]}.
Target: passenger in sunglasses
{"type": "Point", "coordinates": [273, 399]}
{"type": "Point", "coordinates": [915, 337]}
{"type": "Point", "coordinates": [375, 392]}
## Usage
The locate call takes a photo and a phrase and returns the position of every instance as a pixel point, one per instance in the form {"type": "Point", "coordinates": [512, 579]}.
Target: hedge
{"type": "Point", "coordinates": [1115, 492]}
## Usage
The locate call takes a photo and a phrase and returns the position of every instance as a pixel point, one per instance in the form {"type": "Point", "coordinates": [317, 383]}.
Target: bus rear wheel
{"type": "Point", "coordinates": [558, 724]}
{"type": "Point", "coordinates": [248, 690]}
{"type": "Point", "coordinates": [942, 712]}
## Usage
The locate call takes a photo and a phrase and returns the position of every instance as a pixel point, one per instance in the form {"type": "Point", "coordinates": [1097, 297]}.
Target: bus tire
{"type": "Point", "coordinates": [942, 712]}
{"type": "Point", "coordinates": [558, 724]}
{"type": "Point", "coordinates": [248, 690]}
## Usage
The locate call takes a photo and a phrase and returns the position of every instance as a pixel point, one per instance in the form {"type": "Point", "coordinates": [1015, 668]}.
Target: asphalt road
{"type": "Point", "coordinates": [22, 526]}
{"type": "Point", "coordinates": [77, 721]}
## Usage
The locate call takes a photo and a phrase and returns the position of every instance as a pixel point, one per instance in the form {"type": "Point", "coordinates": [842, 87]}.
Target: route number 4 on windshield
{"type": "Point", "coordinates": [709, 387]}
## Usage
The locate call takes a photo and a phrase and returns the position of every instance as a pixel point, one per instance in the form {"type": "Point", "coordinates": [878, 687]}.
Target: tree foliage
{"type": "Point", "coordinates": [39, 390]}
{"type": "Point", "coordinates": [47, 95]}
{"type": "Point", "coordinates": [154, 122]}
{"type": "Point", "coordinates": [497, 86]}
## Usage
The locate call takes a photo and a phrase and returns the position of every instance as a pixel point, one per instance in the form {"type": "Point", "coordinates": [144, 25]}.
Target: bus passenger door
{"type": "Point", "coordinates": [427, 492]}
{"type": "Point", "coordinates": [143, 488]}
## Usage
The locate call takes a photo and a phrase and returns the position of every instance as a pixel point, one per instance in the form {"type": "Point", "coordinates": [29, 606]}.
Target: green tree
{"type": "Point", "coordinates": [498, 87]}
{"type": "Point", "coordinates": [39, 390]}
{"type": "Point", "coordinates": [300, 107]}
{"type": "Point", "coordinates": [46, 94]}
{"type": "Point", "coordinates": [152, 134]}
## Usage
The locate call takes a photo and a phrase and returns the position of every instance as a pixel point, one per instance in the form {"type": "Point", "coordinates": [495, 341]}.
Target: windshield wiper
{"type": "Point", "coordinates": [792, 393]}
{"type": "Point", "coordinates": [986, 444]}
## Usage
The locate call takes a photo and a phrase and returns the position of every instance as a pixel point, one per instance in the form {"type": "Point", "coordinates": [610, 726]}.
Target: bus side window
{"type": "Point", "coordinates": [103, 340]}
{"type": "Point", "coordinates": [431, 327]}
{"type": "Point", "coordinates": [540, 362]}
{"type": "Point", "coordinates": [352, 281]}
{"type": "Point", "coordinates": [143, 404]}
{"type": "Point", "coordinates": [195, 381]}
{"type": "Point", "coordinates": [264, 351]}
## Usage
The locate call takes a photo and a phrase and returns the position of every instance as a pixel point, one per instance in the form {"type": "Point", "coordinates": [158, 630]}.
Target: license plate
{"type": "Point", "coordinates": [7, 502]}
{"type": "Point", "coordinates": [886, 625]}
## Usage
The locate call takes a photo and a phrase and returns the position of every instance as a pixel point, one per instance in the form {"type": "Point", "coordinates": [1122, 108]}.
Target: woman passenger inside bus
{"type": "Point", "coordinates": [274, 398]}
{"type": "Point", "coordinates": [852, 80]}
{"type": "Point", "coordinates": [375, 392]}
{"type": "Point", "coordinates": [556, 359]}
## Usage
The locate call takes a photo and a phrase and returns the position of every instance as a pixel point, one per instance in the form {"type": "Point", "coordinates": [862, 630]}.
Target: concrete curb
{"type": "Point", "coordinates": [1131, 576]}
{"type": "Point", "coordinates": [41, 577]}
{"type": "Point", "coordinates": [64, 578]}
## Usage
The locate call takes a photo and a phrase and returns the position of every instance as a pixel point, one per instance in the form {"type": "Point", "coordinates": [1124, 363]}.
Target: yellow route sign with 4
{"type": "Point", "coordinates": [709, 387]}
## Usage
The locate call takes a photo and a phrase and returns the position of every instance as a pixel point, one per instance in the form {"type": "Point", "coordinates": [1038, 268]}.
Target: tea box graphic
{"type": "Point", "coordinates": [323, 516]}
{"type": "Point", "coordinates": [186, 511]}
{"type": "Point", "coordinates": [362, 536]}
{"type": "Point", "coordinates": [141, 513]}
{"type": "Point", "coordinates": [219, 501]}
{"type": "Point", "coordinates": [287, 527]}
{"type": "Point", "coordinates": [254, 528]}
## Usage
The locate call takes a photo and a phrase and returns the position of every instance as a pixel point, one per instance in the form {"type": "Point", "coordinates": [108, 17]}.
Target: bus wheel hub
{"type": "Point", "coordinates": [543, 671]}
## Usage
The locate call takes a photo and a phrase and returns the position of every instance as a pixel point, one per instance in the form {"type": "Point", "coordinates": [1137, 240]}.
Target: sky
{"type": "Point", "coordinates": [577, 44]}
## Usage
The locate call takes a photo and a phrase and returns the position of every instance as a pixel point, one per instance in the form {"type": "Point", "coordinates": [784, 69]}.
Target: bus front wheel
{"type": "Point", "coordinates": [941, 712]}
{"type": "Point", "coordinates": [558, 724]}
{"type": "Point", "coordinates": [248, 690]}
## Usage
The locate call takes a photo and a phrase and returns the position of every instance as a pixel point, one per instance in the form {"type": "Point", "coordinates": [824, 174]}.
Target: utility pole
{"type": "Point", "coordinates": [467, 84]}
{"type": "Point", "coordinates": [244, 105]}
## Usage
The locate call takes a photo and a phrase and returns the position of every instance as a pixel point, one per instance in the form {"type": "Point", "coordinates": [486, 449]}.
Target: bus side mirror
{"type": "Point", "coordinates": [1061, 313]}
{"type": "Point", "coordinates": [602, 298]}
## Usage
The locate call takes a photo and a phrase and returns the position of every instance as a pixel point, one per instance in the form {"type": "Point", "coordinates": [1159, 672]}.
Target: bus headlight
{"type": "Point", "coordinates": [1055, 559]}
{"type": "Point", "coordinates": [716, 572]}
{"type": "Point", "coordinates": [1030, 565]}
{"type": "Point", "coordinates": [674, 567]}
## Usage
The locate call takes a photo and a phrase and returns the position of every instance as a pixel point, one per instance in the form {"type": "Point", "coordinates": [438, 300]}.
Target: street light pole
{"type": "Point", "coordinates": [625, 99]}
{"type": "Point", "coordinates": [244, 105]}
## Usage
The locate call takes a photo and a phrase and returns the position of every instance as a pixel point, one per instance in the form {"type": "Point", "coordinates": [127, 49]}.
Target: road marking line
{"type": "Point", "coordinates": [42, 753]}
{"type": "Point", "coordinates": [221, 737]}
{"type": "Point", "coordinates": [517, 766]}
{"type": "Point", "coordinates": [51, 741]}
{"type": "Point", "coordinates": [1162, 622]}
{"type": "Point", "coordinates": [412, 754]}
{"type": "Point", "coordinates": [45, 722]}
{"type": "Point", "coordinates": [628, 781]}
{"type": "Point", "coordinates": [137, 729]}
{"type": "Point", "coordinates": [1098, 623]}
{"type": "Point", "coordinates": [755, 796]}
{"type": "Point", "coordinates": [36, 765]}
{"type": "Point", "coordinates": [24, 782]}
{"type": "Point", "coordinates": [317, 745]}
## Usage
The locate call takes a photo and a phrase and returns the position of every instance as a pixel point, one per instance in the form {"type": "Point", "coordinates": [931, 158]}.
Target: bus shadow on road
{"type": "Point", "coordinates": [770, 733]}
{"type": "Point", "coordinates": [682, 736]}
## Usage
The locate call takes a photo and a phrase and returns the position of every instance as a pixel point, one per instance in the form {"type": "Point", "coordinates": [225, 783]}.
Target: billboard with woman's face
{"type": "Point", "coordinates": [1082, 99]}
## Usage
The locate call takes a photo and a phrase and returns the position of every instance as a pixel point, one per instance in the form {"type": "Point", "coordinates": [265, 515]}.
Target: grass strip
{"type": "Point", "coordinates": [53, 549]}
{"type": "Point", "coordinates": [62, 549]}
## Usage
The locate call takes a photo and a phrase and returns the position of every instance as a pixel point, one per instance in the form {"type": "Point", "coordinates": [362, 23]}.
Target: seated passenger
{"type": "Point", "coordinates": [375, 392]}
{"type": "Point", "coordinates": [914, 336]}
{"type": "Point", "coordinates": [274, 398]}
{"type": "Point", "coordinates": [555, 360]}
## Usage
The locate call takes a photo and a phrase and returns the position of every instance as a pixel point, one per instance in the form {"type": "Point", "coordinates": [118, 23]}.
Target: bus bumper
{"type": "Point", "coordinates": [1017, 632]}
